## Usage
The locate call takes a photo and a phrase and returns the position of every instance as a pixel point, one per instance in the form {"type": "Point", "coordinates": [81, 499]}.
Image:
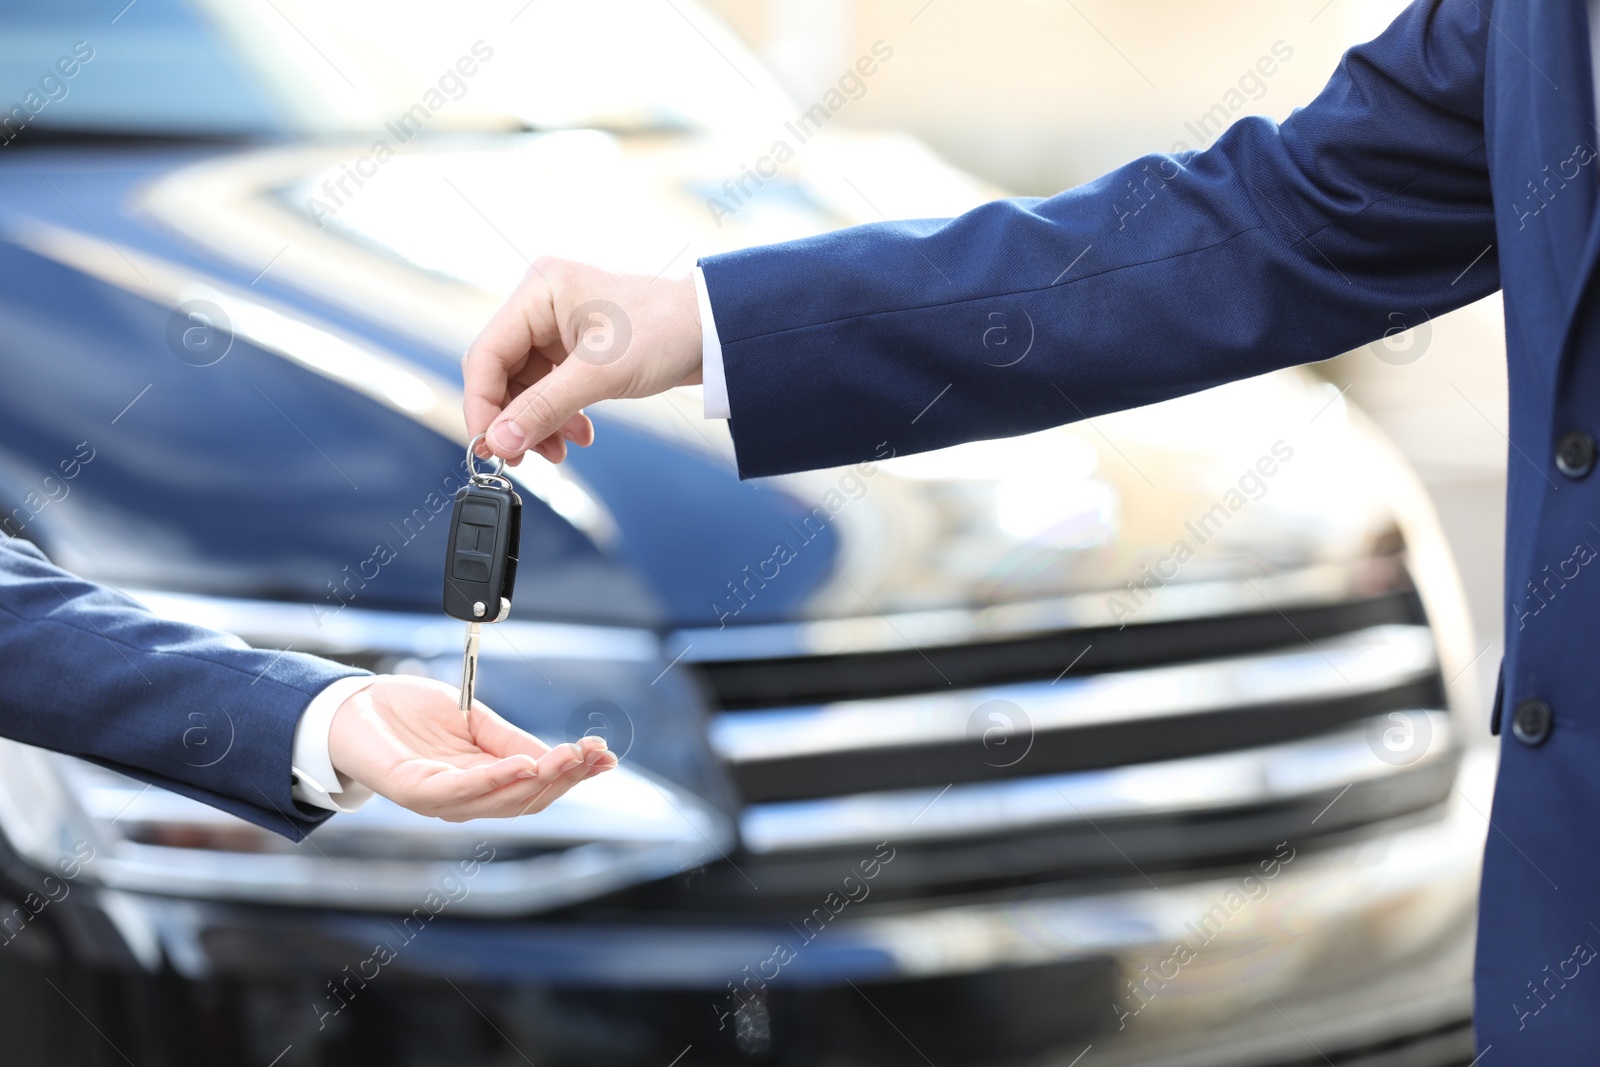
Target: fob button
{"type": "Point", "coordinates": [480, 515]}
{"type": "Point", "coordinates": [473, 554]}
{"type": "Point", "coordinates": [474, 548]}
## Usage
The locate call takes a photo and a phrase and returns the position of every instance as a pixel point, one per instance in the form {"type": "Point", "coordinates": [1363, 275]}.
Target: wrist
{"type": "Point", "coordinates": [690, 329]}
{"type": "Point", "coordinates": [344, 746]}
{"type": "Point", "coordinates": [316, 780]}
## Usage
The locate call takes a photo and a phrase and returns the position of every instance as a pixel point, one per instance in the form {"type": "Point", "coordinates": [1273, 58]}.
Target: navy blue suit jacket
{"type": "Point", "coordinates": [90, 672]}
{"type": "Point", "coordinates": [1451, 156]}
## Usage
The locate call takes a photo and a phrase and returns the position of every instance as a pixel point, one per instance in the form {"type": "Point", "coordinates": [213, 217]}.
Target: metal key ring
{"type": "Point", "coordinates": [473, 459]}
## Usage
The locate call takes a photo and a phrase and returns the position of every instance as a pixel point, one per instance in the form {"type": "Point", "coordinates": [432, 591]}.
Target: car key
{"type": "Point", "coordinates": [480, 563]}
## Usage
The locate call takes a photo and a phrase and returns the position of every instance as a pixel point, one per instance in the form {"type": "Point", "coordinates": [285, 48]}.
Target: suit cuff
{"type": "Point", "coordinates": [315, 781]}
{"type": "Point", "coordinates": [711, 373]}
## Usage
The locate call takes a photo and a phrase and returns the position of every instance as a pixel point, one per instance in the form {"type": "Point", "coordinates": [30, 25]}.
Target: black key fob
{"type": "Point", "coordinates": [480, 565]}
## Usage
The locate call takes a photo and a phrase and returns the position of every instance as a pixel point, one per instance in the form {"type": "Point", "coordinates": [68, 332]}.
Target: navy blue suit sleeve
{"type": "Point", "coordinates": [1278, 245]}
{"type": "Point", "coordinates": [88, 671]}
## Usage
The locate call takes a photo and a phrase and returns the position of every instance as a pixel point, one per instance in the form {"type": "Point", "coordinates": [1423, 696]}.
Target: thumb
{"type": "Point", "coordinates": [544, 407]}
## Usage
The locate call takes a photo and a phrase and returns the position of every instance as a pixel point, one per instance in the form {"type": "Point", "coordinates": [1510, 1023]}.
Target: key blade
{"type": "Point", "coordinates": [469, 665]}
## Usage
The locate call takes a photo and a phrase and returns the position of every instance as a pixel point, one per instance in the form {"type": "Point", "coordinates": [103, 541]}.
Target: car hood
{"type": "Point", "coordinates": [400, 259]}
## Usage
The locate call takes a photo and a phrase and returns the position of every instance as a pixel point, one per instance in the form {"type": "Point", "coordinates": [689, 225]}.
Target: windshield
{"type": "Point", "coordinates": [276, 68]}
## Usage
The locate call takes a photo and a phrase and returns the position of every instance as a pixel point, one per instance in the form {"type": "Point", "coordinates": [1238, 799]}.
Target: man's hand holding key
{"type": "Point", "coordinates": [529, 376]}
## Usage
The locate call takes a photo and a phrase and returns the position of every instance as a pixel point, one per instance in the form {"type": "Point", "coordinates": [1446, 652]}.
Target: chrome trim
{"type": "Point", "coordinates": [1364, 661]}
{"type": "Point", "coordinates": [313, 628]}
{"type": "Point", "coordinates": [623, 828]}
{"type": "Point", "coordinates": [1365, 942]}
{"type": "Point", "coordinates": [1395, 890]}
{"type": "Point", "coordinates": [1040, 927]}
{"type": "Point", "coordinates": [1326, 583]}
{"type": "Point", "coordinates": [309, 342]}
{"type": "Point", "coordinates": [1270, 774]}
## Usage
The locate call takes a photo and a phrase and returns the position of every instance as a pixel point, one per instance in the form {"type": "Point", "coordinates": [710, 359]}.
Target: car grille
{"type": "Point", "coordinates": [1081, 751]}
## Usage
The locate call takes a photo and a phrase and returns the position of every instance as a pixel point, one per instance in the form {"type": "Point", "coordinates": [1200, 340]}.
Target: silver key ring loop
{"type": "Point", "coordinates": [478, 477]}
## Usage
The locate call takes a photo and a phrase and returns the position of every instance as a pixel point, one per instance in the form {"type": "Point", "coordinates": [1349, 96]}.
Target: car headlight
{"type": "Point", "coordinates": [626, 827]}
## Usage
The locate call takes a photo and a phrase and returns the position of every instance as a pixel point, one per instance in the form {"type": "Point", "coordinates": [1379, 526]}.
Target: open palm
{"type": "Point", "coordinates": [407, 739]}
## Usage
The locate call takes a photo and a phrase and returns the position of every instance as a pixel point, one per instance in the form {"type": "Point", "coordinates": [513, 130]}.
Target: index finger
{"type": "Point", "coordinates": [524, 323]}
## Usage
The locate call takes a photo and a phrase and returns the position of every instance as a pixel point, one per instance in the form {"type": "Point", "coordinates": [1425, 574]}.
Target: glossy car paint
{"type": "Point", "coordinates": [266, 476]}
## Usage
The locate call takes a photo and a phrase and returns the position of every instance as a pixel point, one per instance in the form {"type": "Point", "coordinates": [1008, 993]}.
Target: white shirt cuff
{"type": "Point", "coordinates": [711, 373]}
{"type": "Point", "coordinates": [315, 781]}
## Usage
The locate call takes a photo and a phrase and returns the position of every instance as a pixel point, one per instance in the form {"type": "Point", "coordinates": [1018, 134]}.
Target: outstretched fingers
{"type": "Point", "coordinates": [563, 768]}
{"type": "Point", "coordinates": [447, 792]}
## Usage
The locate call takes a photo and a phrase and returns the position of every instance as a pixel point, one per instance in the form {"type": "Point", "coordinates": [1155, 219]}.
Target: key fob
{"type": "Point", "coordinates": [480, 565]}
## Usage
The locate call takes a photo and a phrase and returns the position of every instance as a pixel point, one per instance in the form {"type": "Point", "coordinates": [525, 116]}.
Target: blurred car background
{"type": "Point", "coordinates": [1153, 739]}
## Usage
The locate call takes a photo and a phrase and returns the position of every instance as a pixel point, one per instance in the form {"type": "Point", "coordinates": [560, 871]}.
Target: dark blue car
{"type": "Point", "coordinates": [1138, 741]}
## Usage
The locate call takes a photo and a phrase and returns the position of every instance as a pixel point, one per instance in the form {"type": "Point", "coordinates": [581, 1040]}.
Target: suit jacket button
{"type": "Point", "coordinates": [1575, 454]}
{"type": "Point", "coordinates": [1530, 723]}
